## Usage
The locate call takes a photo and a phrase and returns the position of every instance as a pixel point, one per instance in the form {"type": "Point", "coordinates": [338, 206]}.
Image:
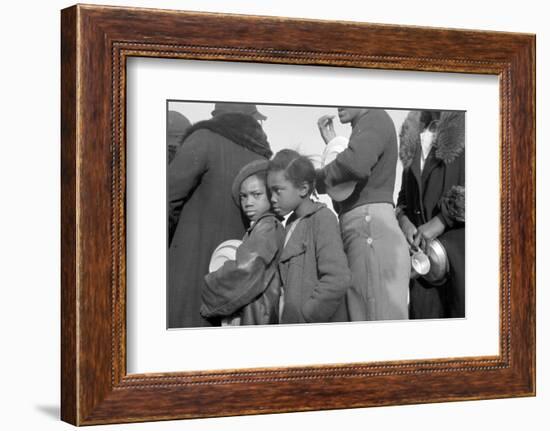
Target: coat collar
{"type": "Point", "coordinates": [431, 162]}
{"type": "Point", "coordinates": [298, 242]}
{"type": "Point", "coordinates": [450, 139]}
{"type": "Point", "coordinates": [316, 206]}
{"type": "Point", "coordinates": [415, 165]}
{"type": "Point", "coordinates": [241, 129]}
{"type": "Point", "coordinates": [448, 143]}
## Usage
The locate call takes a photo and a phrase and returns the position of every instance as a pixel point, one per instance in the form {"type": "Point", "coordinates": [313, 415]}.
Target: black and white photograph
{"type": "Point", "coordinates": [302, 214]}
{"type": "Point", "coordinates": [261, 215]}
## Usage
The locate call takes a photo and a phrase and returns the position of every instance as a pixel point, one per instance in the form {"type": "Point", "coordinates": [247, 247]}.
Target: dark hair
{"type": "Point", "coordinates": [298, 169]}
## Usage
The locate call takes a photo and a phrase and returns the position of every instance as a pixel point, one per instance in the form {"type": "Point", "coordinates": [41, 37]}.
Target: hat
{"type": "Point", "coordinates": [177, 123]}
{"type": "Point", "coordinates": [243, 108]}
{"type": "Point", "coordinates": [252, 168]}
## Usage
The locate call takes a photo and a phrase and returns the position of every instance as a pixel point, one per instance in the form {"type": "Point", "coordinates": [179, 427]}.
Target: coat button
{"type": "Point", "coordinates": [368, 218]}
{"type": "Point", "coordinates": [369, 241]}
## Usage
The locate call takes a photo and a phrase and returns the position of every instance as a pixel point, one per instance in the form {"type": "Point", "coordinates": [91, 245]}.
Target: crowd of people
{"type": "Point", "coordinates": [299, 262]}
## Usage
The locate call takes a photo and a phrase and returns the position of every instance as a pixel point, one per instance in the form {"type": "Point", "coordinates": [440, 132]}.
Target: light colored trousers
{"type": "Point", "coordinates": [379, 260]}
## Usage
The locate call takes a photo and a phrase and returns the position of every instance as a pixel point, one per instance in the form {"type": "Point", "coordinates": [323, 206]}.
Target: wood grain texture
{"type": "Point", "coordinates": [96, 41]}
{"type": "Point", "coordinates": [69, 365]}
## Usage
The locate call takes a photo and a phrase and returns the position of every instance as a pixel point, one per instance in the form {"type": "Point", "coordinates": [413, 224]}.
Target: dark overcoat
{"type": "Point", "coordinates": [437, 191]}
{"type": "Point", "coordinates": [202, 213]}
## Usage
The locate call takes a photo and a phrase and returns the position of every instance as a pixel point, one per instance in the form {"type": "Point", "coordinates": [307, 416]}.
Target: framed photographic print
{"type": "Point", "coordinates": [260, 217]}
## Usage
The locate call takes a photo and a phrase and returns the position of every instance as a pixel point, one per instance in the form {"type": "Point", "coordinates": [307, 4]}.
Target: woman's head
{"type": "Point", "coordinates": [290, 179]}
{"type": "Point", "coordinates": [429, 119]}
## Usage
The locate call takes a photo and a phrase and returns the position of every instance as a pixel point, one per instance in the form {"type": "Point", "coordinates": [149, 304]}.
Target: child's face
{"type": "Point", "coordinates": [253, 195]}
{"type": "Point", "coordinates": [285, 196]}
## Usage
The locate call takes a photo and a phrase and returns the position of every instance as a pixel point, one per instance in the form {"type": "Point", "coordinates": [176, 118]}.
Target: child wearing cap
{"type": "Point", "coordinates": [246, 291]}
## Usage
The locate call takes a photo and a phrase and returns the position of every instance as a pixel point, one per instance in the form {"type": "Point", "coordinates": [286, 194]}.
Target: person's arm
{"type": "Point", "coordinates": [407, 227]}
{"type": "Point", "coordinates": [238, 282]}
{"type": "Point", "coordinates": [452, 205]}
{"type": "Point", "coordinates": [355, 163]}
{"type": "Point", "coordinates": [450, 210]}
{"type": "Point", "coordinates": [320, 185]}
{"type": "Point", "coordinates": [184, 173]}
{"type": "Point", "coordinates": [402, 196]}
{"type": "Point", "coordinates": [332, 268]}
{"type": "Point", "coordinates": [320, 180]}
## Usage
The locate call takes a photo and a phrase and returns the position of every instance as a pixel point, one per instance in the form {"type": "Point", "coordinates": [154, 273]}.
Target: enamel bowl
{"type": "Point", "coordinates": [439, 262]}
{"type": "Point", "coordinates": [227, 250]}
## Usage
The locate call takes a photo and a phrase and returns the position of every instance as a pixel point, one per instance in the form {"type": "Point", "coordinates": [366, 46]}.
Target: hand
{"type": "Point", "coordinates": [409, 229]}
{"type": "Point", "coordinates": [428, 231]}
{"type": "Point", "coordinates": [326, 127]}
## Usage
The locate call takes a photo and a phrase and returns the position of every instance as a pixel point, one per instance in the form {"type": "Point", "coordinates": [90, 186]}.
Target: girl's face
{"type": "Point", "coordinates": [253, 195]}
{"type": "Point", "coordinates": [285, 196]}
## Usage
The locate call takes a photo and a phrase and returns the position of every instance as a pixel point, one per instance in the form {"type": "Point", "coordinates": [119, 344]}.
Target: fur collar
{"type": "Point", "coordinates": [239, 128]}
{"type": "Point", "coordinates": [448, 141]}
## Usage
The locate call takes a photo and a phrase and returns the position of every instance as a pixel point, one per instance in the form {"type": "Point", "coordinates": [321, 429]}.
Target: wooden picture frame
{"type": "Point", "coordinates": [95, 43]}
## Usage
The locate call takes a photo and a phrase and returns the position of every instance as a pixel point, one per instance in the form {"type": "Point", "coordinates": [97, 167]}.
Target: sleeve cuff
{"type": "Point", "coordinates": [337, 141]}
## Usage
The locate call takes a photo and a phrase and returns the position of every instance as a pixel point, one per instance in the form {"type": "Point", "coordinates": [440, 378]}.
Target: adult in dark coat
{"type": "Point", "coordinates": [431, 204]}
{"type": "Point", "coordinates": [202, 213]}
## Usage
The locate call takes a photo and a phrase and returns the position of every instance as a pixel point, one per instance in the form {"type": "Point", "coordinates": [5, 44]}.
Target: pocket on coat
{"type": "Point", "coordinates": [293, 253]}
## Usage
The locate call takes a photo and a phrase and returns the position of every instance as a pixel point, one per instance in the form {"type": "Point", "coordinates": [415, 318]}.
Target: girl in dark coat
{"type": "Point", "coordinates": [246, 291]}
{"type": "Point", "coordinates": [431, 204]}
{"type": "Point", "coordinates": [313, 267]}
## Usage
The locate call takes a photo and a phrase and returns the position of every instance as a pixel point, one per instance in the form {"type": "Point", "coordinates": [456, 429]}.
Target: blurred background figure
{"type": "Point", "coordinates": [177, 126]}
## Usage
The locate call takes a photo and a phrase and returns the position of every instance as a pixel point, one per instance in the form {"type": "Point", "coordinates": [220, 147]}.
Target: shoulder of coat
{"type": "Point", "coordinates": [409, 138]}
{"type": "Point", "coordinates": [268, 222]}
{"type": "Point", "coordinates": [324, 216]}
{"type": "Point", "coordinates": [450, 140]}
